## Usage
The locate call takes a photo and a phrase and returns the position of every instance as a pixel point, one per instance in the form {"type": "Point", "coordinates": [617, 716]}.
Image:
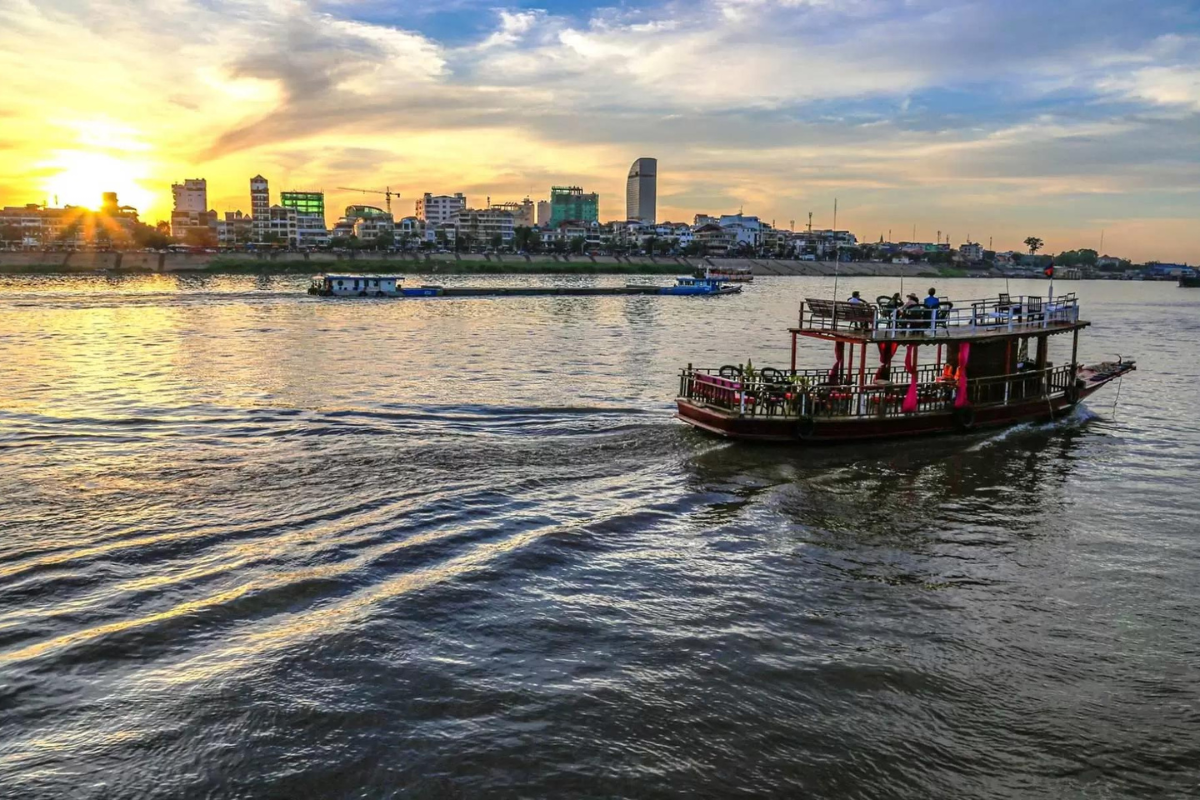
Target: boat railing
{"type": "Point", "coordinates": [810, 393]}
{"type": "Point", "coordinates": [813, 377]}
{"type": "Point", "coordinates": [1000, 314]}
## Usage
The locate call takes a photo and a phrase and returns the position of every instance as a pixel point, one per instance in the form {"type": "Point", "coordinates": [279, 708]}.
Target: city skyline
{"type": "Point", "coordinates": [981, 120]}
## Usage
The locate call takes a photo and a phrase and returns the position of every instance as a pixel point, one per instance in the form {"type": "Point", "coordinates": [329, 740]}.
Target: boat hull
{"type": "Point", "coordinates": [1189, 281]}
{"type": "Point", "coordinates": [832, 430]}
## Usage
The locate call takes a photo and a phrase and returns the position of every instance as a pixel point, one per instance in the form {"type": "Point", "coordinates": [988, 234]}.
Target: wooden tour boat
{"type": "Point", "coordinates": [983, 364]}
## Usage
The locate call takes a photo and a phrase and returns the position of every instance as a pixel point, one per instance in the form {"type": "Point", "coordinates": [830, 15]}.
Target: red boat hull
{"type": "Point", "coordinates": [849, 429]}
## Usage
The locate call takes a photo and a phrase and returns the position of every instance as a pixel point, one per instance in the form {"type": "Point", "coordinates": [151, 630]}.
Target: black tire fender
{"type": "Point", "coordinates": [805, 427]}
{"type": "Point", "coordinates": [964, 419]}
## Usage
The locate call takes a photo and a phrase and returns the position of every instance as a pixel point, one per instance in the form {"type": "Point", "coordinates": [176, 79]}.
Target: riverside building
{"type": "Point", "coordinates": [570, 203]}
{"type": "Point", "coordinates": [235, 230]}
{"type": "Point", "coordinates": [482, 225]}
{"type": "Point", "coordinates": [260, 206]}
{"type": "Point", "coordinates": [437, 210]}
{"type": "Point", "coordinates": [522, 212]}
{"type": "Point", "coordinates": [190, 217]}
{"type": "Point", "coordinates": [310, 217]}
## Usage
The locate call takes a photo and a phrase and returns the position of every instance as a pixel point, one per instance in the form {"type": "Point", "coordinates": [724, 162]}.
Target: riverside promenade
{"type": "Point", "coordinates": [449, 263]}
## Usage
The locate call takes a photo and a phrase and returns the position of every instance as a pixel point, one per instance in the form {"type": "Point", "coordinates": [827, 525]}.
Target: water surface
{"type": "Point", "coordinates": [258, 544]}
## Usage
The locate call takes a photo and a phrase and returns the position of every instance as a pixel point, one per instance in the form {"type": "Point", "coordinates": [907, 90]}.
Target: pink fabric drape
{"type": "Point", "coordinates": [886, 351]}
{"type": "Point", "coordinates": [910, 366]}
{"type": "Point", "coordinates": [960, 397]}
{"type": "Point", "coordinates": [839, 353]}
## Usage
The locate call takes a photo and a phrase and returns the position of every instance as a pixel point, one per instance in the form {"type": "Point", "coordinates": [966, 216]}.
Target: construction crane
{"type": "Point", "coordinates": [387, 192]}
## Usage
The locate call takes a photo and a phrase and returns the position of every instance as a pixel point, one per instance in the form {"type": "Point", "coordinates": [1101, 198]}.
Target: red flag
{"type": "Point", "coordinates": [1049, 271]}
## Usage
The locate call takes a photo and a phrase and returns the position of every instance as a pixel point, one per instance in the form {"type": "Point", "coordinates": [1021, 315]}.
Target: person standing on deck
{"type": "Point", "coordinates": [932, 300]}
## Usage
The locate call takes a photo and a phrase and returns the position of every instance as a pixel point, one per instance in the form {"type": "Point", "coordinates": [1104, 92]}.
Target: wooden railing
{"type": "Point", "coordinates": [972, 316]}
{"type": "Point", "coordinates": [808, 392]}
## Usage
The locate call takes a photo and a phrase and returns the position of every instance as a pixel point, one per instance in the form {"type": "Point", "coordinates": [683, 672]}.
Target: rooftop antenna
{"type": "Point", "coordinates": [1102, 241]}
{"type": "Point", "coordinates": [810, 222]}
{"type": "Point", "coordinates": [835, 213]}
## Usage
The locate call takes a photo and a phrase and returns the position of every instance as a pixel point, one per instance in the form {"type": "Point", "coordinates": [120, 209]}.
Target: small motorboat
{"type": "Point", "coordinates": [687, 286]}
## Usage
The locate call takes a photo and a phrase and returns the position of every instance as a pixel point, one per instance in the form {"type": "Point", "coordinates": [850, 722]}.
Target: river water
{"type": "Point", "coordinates": [257, 544]}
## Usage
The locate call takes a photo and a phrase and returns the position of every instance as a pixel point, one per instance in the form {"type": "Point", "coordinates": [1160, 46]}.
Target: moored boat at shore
{"type": "Point", "coordinates": [987, 364]}
{"type": "Point", "coordinates": [729, 274]}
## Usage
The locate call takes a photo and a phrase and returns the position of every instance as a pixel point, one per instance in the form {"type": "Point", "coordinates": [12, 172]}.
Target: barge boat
{"type": "Point", "coordinates": [392, 286]}
{"type": "Point", "coordinates": [983, 364]}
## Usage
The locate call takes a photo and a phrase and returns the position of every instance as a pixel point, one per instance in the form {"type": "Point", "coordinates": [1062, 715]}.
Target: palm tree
{"type": "Point", "coordinates": [1034, 244]}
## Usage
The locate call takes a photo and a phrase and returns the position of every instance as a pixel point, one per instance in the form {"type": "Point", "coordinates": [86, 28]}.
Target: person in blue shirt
{"type": "Point", "coordinates": [932, 300]}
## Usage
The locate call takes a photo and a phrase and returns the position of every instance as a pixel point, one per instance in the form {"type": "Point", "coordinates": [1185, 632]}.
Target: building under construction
{"type": "Point", "coordinates": [570, 203]}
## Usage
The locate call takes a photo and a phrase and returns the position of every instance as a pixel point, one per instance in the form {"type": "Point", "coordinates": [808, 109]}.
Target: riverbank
{"type": "Point", "coordinates": [426, 264]}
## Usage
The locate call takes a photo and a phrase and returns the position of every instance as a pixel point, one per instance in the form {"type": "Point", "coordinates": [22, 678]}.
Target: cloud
{"type": "Point", "coordinates": [775, 104]}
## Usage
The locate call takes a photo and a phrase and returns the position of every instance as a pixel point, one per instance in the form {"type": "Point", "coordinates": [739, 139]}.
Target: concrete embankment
{"type": "Point", "coordinates": [425, 263]}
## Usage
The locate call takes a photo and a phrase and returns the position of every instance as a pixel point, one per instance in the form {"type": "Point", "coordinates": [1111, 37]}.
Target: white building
{"type": "Point", "coordinates": [365, 223]}
{"type": "Point", "coordinates": [543, 213]}
{"type": "Point", "coordinates": [280, 226]}
{"type": "Point", "coordinates": [523, 213]}
{"type": "Point", "coordinates": [745, 230]}
{"type": "Point", "coordinates": [823, 242]}
{"type": "Point", "coordinates": [438, 210]}
{"type": "Point", "coordinates": [236, 229]}
{"type": "Point", "coordinates": [971, 251]}
{"type": "Point", "coordinates": [409, 229]}
{"type": "Point", "coordinates": [191, 195]}
{"type": "Point", "coordinates": [483, 224]}
{"type": "Point", "coordinates": [190, 216]}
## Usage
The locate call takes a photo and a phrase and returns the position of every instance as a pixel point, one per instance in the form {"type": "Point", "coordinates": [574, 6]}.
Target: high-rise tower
{"type": "Point", "coordinates": [260, 207]}
{"type": "Point", "coordinates": [641, 190]}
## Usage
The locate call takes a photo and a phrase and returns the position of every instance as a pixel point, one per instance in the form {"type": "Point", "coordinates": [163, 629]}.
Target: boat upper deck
{"type": "Point", "coordinates": [993, 318]}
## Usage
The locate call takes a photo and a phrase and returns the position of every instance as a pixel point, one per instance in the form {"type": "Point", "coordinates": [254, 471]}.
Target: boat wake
{"type": "Point", "coordinates": [1078, 417]}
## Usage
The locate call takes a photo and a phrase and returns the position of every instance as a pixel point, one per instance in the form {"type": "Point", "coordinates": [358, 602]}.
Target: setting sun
{"type": "Point", "coordinates": [79, 178]}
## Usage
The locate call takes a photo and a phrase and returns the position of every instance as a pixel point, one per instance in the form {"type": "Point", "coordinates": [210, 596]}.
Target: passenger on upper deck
{"type": "Point", "coordinates": [912, 301]}
{"type": "Point", "coordinates": [855, 298]}
{"type": "Point", "coordinates": [932, 300]}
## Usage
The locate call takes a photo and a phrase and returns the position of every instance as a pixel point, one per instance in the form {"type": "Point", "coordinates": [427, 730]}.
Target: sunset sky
{"type": "Point", "coordinates": [1055, 118]}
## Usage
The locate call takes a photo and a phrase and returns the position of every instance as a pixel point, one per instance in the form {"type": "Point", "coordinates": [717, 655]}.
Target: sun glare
{"type": "Point", "coordinates": [80, 178]}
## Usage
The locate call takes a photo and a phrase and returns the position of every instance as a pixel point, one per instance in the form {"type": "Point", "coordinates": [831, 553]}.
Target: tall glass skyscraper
{"type": "Point", "coordinates": [641, 190]}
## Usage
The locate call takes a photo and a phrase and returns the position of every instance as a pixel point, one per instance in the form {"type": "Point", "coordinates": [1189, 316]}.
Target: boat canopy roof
{"type": "Point", "coordinates": [346, 276]}
{"type": "Point", "coordinates": [992, 318]}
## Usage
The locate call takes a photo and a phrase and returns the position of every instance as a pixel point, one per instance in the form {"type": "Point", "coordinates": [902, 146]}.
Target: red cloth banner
{"type": "Point", "coordinates": [886, 351]}
{"type": "Point", "coordinates": [910, 366]}
{"type": "Point", "coordinates": [839, 352]}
